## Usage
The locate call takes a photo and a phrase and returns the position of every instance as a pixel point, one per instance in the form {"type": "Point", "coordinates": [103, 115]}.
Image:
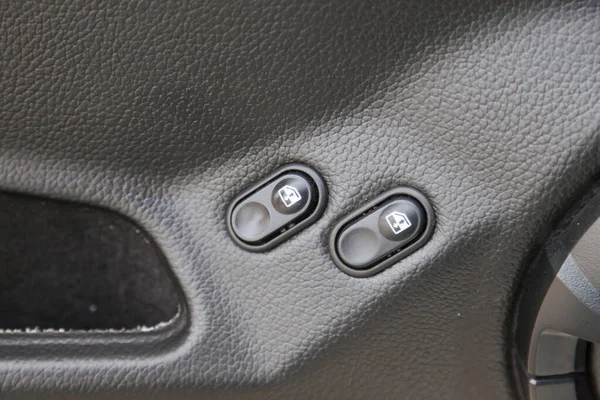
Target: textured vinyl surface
{"type": "Point", "coordinates": [164, 110]}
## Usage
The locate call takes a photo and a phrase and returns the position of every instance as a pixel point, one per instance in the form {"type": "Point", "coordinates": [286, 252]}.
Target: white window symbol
{"type": "Point", "coordinates": [398, 221]}
{"type": "Point", "coordinates": [289, 195]}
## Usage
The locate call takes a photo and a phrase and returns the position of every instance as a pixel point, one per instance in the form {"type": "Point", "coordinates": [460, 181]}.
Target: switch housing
{"type": "Point", "coordinates": [277, 207]}
{"type": "Point", "coordinates": [382, 232]}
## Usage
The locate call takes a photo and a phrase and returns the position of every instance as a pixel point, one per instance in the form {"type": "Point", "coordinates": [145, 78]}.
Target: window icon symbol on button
{"type": "Point", "coordinates": [398, 222]}
{"type": "Point", "coordinates": [289, 195]}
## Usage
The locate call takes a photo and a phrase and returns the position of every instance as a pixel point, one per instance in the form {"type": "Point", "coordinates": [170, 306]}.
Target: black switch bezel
{"type": "Point", "coordinates": [319, 191]}
{"type": "Point", "coordinates": [368, 208]}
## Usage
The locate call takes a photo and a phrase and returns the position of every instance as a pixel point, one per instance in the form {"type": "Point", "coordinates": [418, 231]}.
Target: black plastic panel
{"type": "Point", "coordinates": [165, 110]}
{"type": "Point", "coordinates": [559, 311]}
